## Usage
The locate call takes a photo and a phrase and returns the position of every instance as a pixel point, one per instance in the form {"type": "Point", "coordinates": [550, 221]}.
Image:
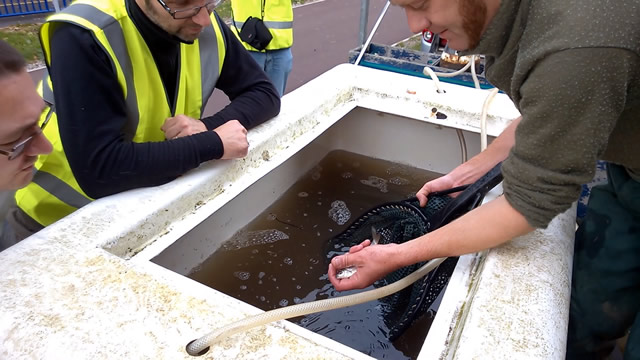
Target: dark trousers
{"type": "Point", "coordinates": [605, 288]}
{"type": "Point", "coordinates": [17, 227]}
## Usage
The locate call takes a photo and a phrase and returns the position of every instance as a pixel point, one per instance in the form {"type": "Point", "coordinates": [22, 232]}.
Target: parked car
{"type": "Point", "coordinates": [430, 39]}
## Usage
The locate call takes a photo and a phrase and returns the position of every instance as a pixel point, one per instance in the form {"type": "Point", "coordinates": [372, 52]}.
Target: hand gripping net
{"type": "Point", "coordinates": [398, 222]}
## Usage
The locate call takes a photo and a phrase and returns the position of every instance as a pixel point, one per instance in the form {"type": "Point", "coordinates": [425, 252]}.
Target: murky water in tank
{"type": "Point", "coordinates": [281, 257]}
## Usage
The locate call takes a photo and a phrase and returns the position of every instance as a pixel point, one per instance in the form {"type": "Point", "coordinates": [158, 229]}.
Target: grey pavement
{"type": "Point", "coordinates": [23, 19]}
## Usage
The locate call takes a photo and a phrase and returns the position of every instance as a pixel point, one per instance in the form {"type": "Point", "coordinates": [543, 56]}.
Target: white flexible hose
{"type": "Point", "coordinates": [197, 346]}
{"type": "Point", "coordinates": [426, 71]}
{"type": "Point", "coordinates": [429, 72]}
{"type": "Point", "coordinates": [463, 146]}
{"type": "Point", "coordinates": [483, 118]}
{"type": "Point", "coordinates": [434, 76]}
{"type": "Point", "coordinates": [485, 108]}
{"type": "Point", "coordinates": [476, 83]}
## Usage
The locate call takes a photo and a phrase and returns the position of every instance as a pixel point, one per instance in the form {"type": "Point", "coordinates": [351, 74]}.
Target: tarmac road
{"type": "Point", "coordinates": [324, 32]}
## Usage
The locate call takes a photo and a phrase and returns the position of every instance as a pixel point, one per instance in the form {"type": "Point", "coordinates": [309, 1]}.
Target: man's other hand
{"type": "Point", "coordinates": [234, 139]}
{"type": "Point", "coordinates": [182, 125]}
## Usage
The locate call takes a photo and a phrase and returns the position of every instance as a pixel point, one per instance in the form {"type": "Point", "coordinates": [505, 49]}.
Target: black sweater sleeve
{"type": "Point", "coordinates": [91, 115]}
{"type": "Point", "coordinates": [246, 85]}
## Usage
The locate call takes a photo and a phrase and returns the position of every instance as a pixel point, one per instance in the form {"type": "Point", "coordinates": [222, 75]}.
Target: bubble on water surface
{"type": "Point", "coordinates": [339, 212]}
{"type": "Point", "coordinates": [242, 275]}
{"type": "Point", "coordinates": [398, 169]}
{"type": "Point", "coordinates": [316, 173]}
{"type": "Point", "coordinates": [396, 180]}
{"type": "Point", "coordinates": [243, 239]}
{"type": "Point", "coordinates": [376, 182]}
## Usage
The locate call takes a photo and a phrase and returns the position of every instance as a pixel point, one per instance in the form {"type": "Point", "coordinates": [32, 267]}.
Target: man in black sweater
{"type": "Point", "coordinates": [129, 90]}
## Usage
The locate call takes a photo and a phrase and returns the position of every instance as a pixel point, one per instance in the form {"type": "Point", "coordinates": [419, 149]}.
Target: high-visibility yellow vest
{"type": "Point", "coordinates": [278, 17]}
{"type": "Point", "coordinates": [54, 192]}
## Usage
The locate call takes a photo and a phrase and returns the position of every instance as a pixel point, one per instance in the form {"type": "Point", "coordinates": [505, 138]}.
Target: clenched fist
{"type": "Point", "coordinates": [234, 139]}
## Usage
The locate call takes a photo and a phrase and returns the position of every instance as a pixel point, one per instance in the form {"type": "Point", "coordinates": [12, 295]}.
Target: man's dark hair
{"type": "Point", "coordinates": [11, 61]}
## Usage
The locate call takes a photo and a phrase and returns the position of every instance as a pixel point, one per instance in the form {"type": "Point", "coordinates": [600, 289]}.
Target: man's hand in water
{"type": "Point", "coordinates": [372, 262]}
{"type": "Point", "coordinates": [442, 183]}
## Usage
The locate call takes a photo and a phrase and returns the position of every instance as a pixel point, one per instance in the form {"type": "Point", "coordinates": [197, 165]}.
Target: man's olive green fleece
{"type": "Point", "coordinates": [572, 68]}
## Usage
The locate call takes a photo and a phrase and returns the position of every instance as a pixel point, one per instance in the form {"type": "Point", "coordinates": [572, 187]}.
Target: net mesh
{"type": "Point", "coordinates": [399, 222]}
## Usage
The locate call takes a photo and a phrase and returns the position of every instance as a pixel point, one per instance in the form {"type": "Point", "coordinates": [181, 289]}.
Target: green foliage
{"type": "Point", "coordinates": [24, 37]}
{"type": "Point", "coordinates": [412, 43]}
{"type": "Point", "coordinates": [224, 10]}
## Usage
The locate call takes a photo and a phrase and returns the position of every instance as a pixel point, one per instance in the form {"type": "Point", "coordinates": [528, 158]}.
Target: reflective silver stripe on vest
{"type": "Point", "coordinates": [57, 187]}
{"type": "Point", "coordinates": [47, 92]}
{"type": "Point", "coordinates": [270, 24]}
{"type": "Point", "coordinates": [60, 189]}
{"type": "Point", "coordinates": [113, 31]}
{"type": "Point", "coordinates": [279, 24]}
{"type": "Point", "coordinates": [209, 62]}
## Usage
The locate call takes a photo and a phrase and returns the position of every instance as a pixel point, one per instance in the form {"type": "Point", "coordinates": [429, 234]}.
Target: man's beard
{"type": "Point", "coordinates": [474, 15]}
{"type": "Point", "coordinates": [156, 17]}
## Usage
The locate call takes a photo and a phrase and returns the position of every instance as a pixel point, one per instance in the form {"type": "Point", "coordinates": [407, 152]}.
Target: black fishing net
{"type": "Point", "coordinates": [398, 222]}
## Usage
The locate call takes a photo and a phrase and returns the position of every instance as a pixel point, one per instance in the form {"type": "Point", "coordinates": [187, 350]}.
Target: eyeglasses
{"type": "Point", "coordinates": [18, 148]}
{"type": "Point", "coordinates": [189, 13]}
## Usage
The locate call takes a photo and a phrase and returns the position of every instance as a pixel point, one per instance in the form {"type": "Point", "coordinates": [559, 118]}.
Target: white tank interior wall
{"type": "Point", "coordinates": [372, 133]}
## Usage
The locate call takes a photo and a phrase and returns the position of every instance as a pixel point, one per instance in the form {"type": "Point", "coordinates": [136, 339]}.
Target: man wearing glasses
{"type": "Point", "coordinates": [129, 80]}
{"type": "Point", "coordinates": [21, 139]}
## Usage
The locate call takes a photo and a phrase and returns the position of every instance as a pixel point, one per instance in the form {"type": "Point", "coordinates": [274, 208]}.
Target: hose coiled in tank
{"type": "Point", "coordinates": [201, 345]}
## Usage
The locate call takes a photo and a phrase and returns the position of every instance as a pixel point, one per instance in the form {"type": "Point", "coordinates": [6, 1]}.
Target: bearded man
{"type": "Point", "coordinates": [572, 68]}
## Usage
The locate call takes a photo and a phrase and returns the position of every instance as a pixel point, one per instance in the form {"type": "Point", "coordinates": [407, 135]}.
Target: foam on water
{"type": "Point", "coordinates": [339, 212]}
{"type": "Point", "coordinates": [396, 180]}
{"type": "Point", "coordinates": [243, 239]}
{"type": "Point", "coordinates": [376, 182]}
